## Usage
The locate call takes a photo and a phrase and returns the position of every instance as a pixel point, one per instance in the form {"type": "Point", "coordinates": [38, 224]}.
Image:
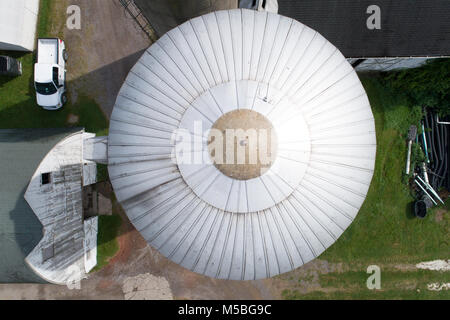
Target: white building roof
{"type": "Point", "coordinates": [66, 251]}
{"type": "Point", "coordinates": [209, 222]}
{"type": "Point", "coordinates": [18, 22]}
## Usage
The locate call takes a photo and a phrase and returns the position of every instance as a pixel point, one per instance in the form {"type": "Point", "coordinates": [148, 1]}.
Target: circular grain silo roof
{"type": "Point", "coordinates": [249, 69]}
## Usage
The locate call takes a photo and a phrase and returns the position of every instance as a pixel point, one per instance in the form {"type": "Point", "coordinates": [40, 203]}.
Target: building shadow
{"type": "Point", "coordinates": [17, 245]}
{"type": "Point", "coordinates": [104, 83]}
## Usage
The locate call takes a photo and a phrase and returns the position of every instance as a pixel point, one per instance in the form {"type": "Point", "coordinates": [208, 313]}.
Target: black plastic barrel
{"type": "Point", "coordinates": [420, 209]}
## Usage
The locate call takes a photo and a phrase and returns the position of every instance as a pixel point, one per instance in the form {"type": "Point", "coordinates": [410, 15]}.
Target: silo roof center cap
{"type": "Point", "coordinates": [242, 144]}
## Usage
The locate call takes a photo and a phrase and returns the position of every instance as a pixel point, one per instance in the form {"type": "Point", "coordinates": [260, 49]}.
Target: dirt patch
{"type": "Point", "coordinates": [72, 119]}
{"type": "Point", "coordinates": [406, 285]}
{"type": "Point", "coordinates": [58, 21]}
{"type": "Point", "coordinates": [439, 215]}
{"type": "Point", "coordinates": [444, 194]}
{"type": "Point", "coordinates": [401, 267]}
{"type": "Point", "coordinates": [105, 188]}
{"type": "Point", "coordinates": [306, 278]}
{"type": "Point", "coordinates": [147, 287]}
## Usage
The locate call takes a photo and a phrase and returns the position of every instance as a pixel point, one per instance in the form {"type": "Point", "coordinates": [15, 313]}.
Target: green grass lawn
{"type": "Point", "coordinates": [385, 232]}
{"type": "Point", "coordinates": [43, 27]}
{"type": "Point", "coordinates": [385, 229]}
{"type": "Point", "coordinates": [107, 244]}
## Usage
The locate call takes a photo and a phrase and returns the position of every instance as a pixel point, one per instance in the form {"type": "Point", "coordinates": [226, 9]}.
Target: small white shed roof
{"type": "Point", "coordinates": [18, 22]}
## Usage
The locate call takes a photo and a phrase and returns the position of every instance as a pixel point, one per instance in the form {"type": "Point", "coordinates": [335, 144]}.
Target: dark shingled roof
{"type": "Point", "coordinates": [408, 27]}
{"type": "Point", "coordinates": [21, 151]}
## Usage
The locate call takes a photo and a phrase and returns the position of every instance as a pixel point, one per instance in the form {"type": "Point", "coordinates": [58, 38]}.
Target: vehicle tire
{"type": "Point", "coordinates": [64, 98]}
{"type": "Point", "coordinates": [65, 55]}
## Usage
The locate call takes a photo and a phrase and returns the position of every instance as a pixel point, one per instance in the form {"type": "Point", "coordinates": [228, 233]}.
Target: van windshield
{"type": "Point", "coordinates": [46, 88]}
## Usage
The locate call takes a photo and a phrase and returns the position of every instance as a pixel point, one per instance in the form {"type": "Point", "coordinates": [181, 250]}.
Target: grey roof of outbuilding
{"type": "Point", "coordinates": [21, 151]}
{"type": "Point", "coordinates": [408, 27]}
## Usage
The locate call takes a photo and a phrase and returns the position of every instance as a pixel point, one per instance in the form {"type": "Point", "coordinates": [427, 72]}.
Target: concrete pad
{"type": "Point", "coordinates": [147, 287]}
